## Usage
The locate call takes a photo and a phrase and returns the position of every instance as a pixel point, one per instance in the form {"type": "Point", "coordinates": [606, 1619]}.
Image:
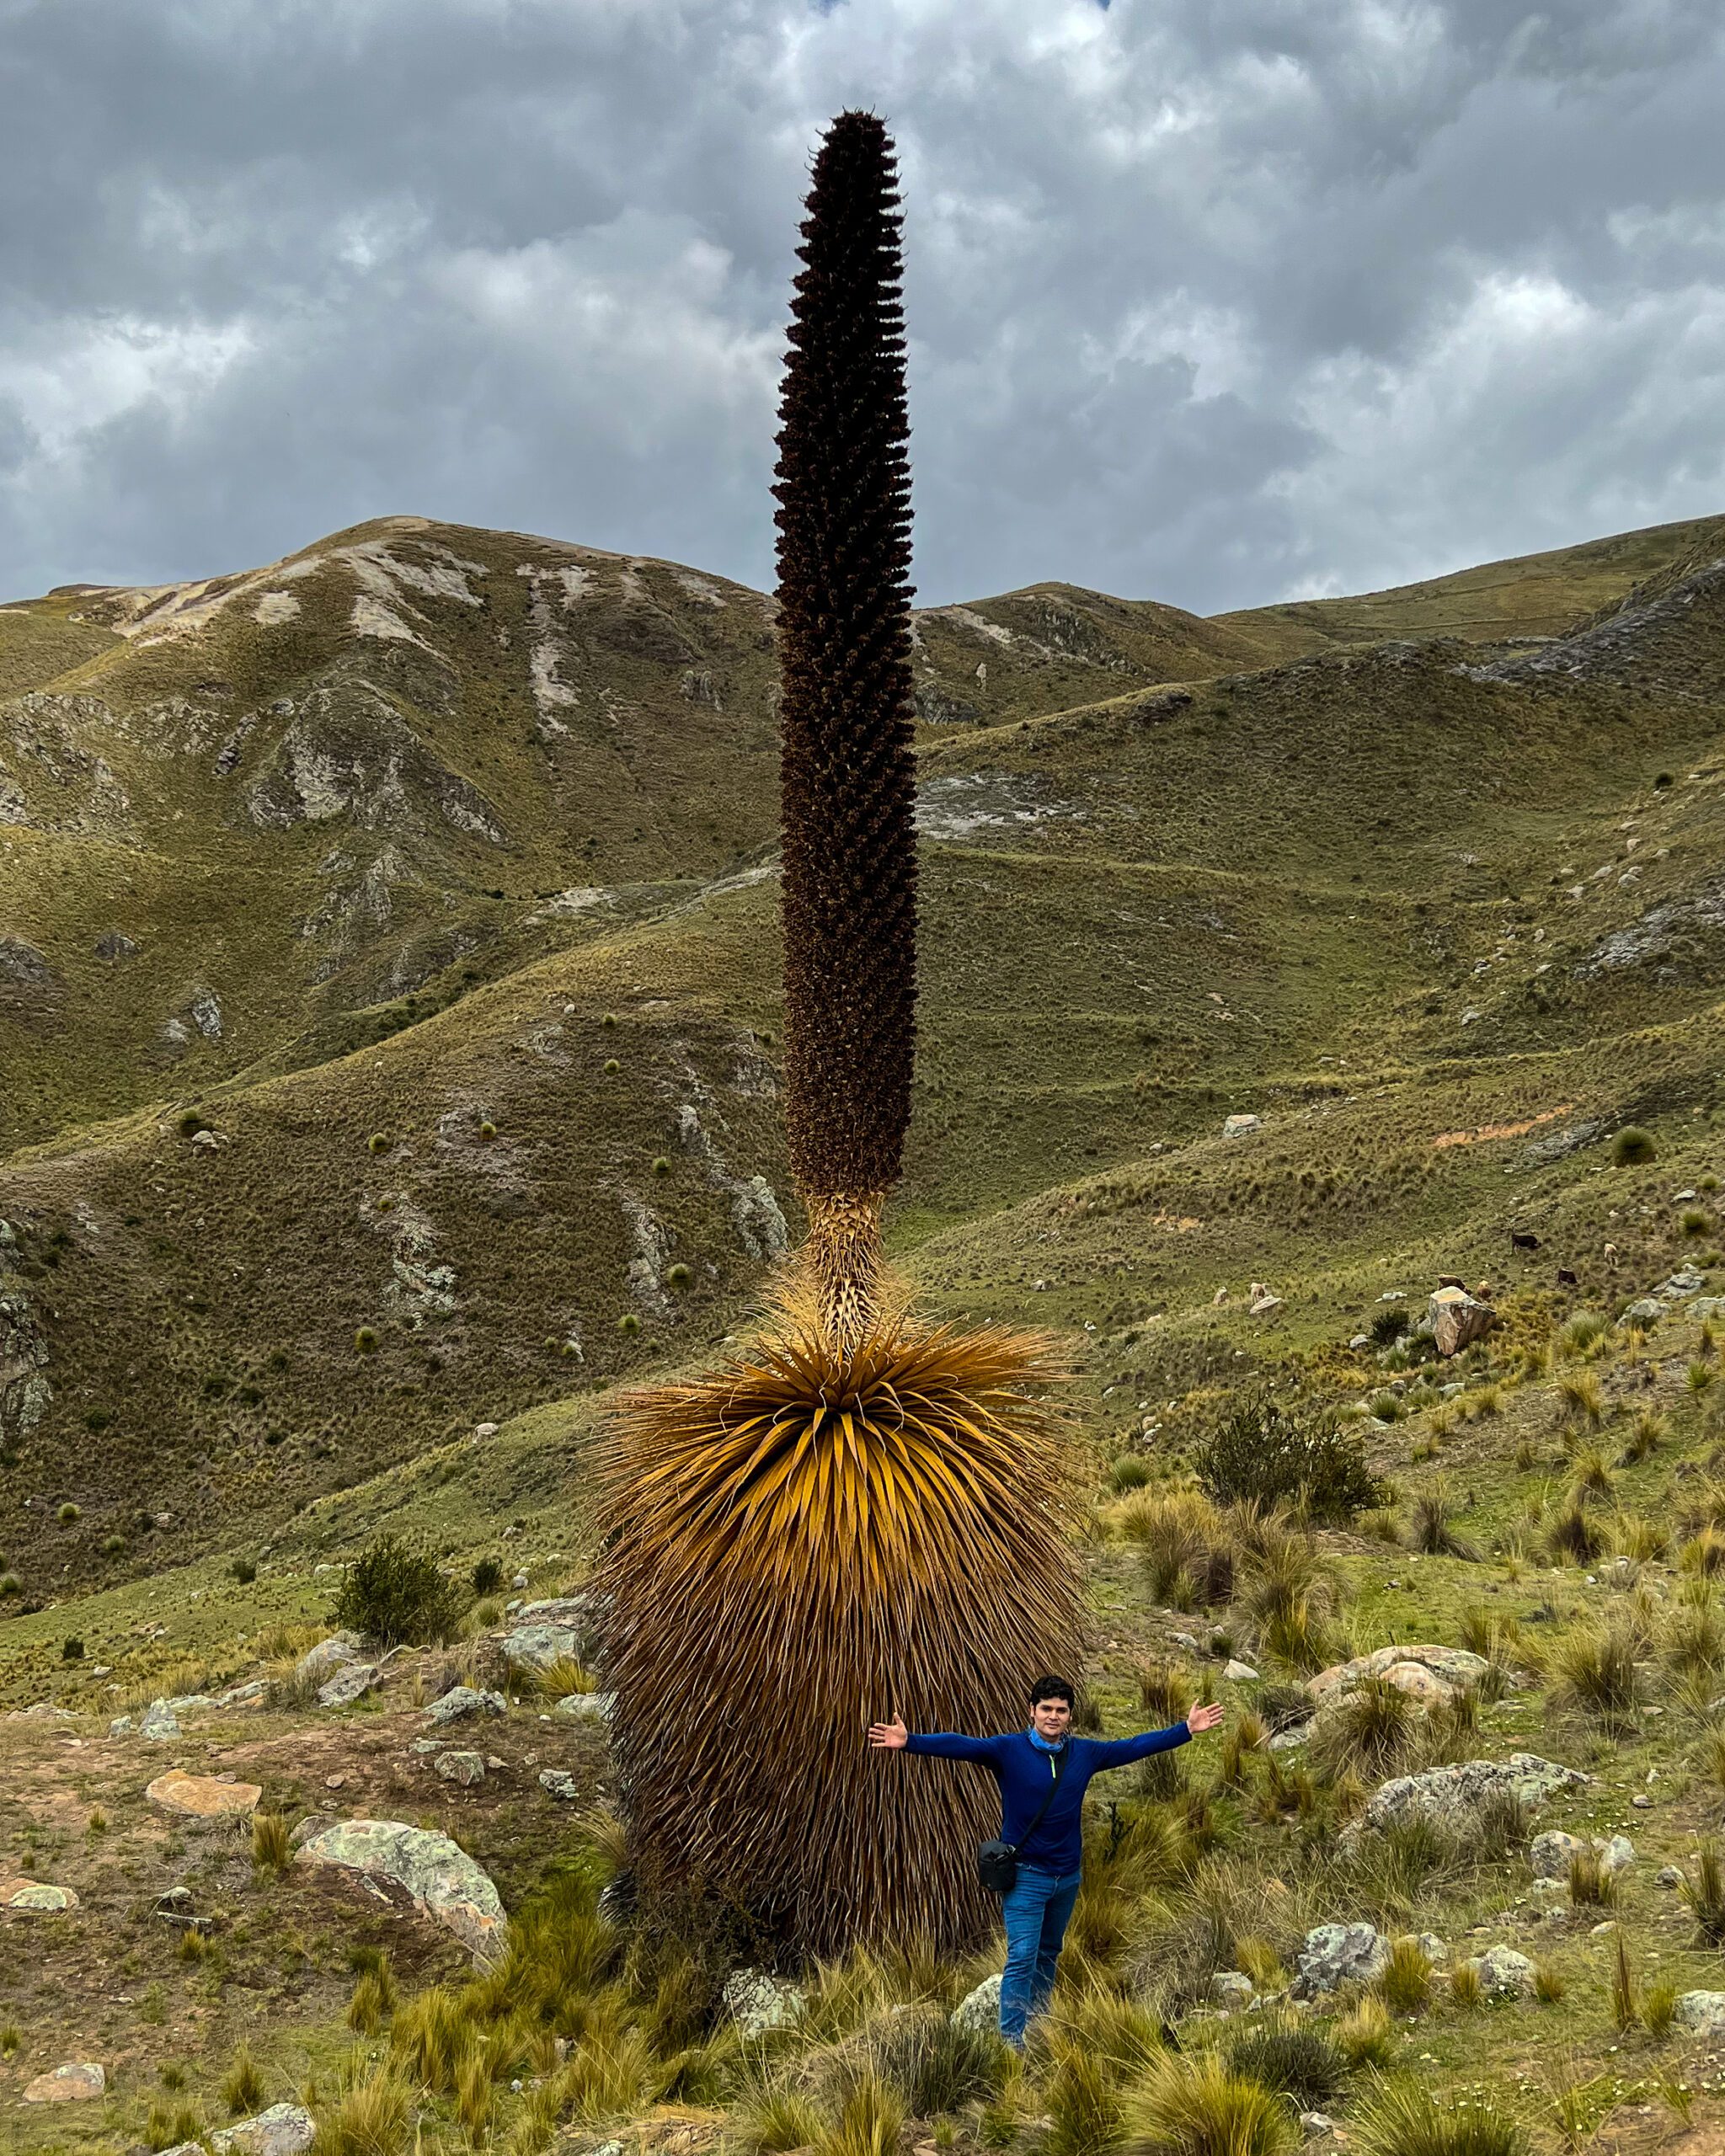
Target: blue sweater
{"type": "Point", "coordinates": [1024, 1770]}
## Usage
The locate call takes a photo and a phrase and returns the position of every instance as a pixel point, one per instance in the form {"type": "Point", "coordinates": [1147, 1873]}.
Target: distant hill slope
{"type": "Point", "coordinates": [432, 869]}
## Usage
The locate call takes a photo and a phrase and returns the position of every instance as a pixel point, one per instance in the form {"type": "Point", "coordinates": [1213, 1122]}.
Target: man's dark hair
{"type": "Point", "coordinates": [1052, 1688]}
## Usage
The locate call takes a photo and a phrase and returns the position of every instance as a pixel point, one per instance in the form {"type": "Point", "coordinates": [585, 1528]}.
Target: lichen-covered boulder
{"type": "Point", "coordinates": [757, 2002]}
{"type": "Point", "coordinates": [979, 2010]}
{"type": "Point", "coordinates": [1453, 1669]}
{"type": "Point", "coordinates": [462, 1700]}
{"type": "Point", "coordinates": [540, 1646]}
{"type": "Point", "coordinates": [1340, 1954]}
{"type": "Point", "coordinates": [1449, 1794]}
{"type": "Point", "coordinates": [1702, 2013]}
{"type": "Point", "coordinates": [73, 2084]}
{"type": "Point", "coordinates": [351, 1682]}
{"type": "Point", "coordinates": [321, 1661]}
{"type": "Point", "coordinates": [1552, 1853]}
{"type": "Point", "coordinates": [442, 1879]}
{"type": "Point", "coordinates": [284, 2129]}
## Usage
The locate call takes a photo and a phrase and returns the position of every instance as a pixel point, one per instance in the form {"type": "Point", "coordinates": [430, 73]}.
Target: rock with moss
{"type": "Point", "coordinates": [463, 1699]}
{"type": "Point", "coordinates": [1502, 1971]}
{"type": "Point", "coordinates": [1336, 1953]}
{"type": "Point", "coordinates": [979, 2012]}
{"type": "Point", "coordinates": [284, 2129]}
{"type": "Point", "coordinates": [1702, 2013]}
{"type": "Point", "coordinates": [758, 2002]}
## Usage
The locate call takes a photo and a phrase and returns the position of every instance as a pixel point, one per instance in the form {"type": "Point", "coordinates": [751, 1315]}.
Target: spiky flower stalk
{"type": "Point", "coordinates": [861, 1514]}
{"type": "Point", "coordinates": [848, 781]}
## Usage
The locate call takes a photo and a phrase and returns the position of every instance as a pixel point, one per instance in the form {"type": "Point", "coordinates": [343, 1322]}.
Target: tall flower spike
{"type": "Point", "coordinates": [848, 781]}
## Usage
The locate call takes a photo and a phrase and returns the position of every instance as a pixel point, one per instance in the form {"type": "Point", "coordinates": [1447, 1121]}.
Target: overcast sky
{"type": "Point", "coordinates": [1213, 301]}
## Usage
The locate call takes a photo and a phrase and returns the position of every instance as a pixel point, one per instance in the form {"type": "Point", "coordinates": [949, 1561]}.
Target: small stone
{"type": "Point", "coordinates": [159, 1725]}
{"type": "Point", "coordinates": [323, 1660]}
{"type": "Point", "coordinates": [1642, 1803]}
{"type": "Point", "coordinates": [1336, 1953]}
{"type": "Point", "coordinates": [1231, 1988]}
{"type": "Point", "coordinates": [1615, 1855]}
{"type": "Point", "coordinates": [1242, 1126]}
{"type": "Point", "coordinates": [1359, 1340]}
{"type": "Point", "coordinates": [1241, 1672]}
{"type": "Point", "coordinates": [1550, 1889]}
{"type": "Point", "coordinates": [466, 1768]}
{"type": "Point", "coordinates": [757, 2002]}
{"type": "Point", "coordinates": [560, 1783]}
{"type": "Point", "coordinates": [486, 1430]}
{"type": "Point", "coordinates": [67, 2084]}
{"type": "Point", "coordinates": [1551, 1855]}
{"type": "Point", "coordinates": [585, 1706]}
{"type": "Point", "coordinates": [520, 1580]}
{"type": "Point", "coordinates": [1702, 2013]}
{"type": "Point", "coordinates": [314, 1823]}
{"type": "Point", "coordinates": [1314, 2125]}
{"type": "Point", "coordinates": [1668, 1875]}
{"type": "Point", "coordinates": [335, 1782]}
{"type": "Point", "coordinates": [1601, 1931]}
{"type": "Point", "coordinates": [1502, 1969]}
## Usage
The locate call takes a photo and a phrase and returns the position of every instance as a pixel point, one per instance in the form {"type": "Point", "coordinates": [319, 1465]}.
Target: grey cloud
{"type": "Point", "coordinates": [1210, 300]}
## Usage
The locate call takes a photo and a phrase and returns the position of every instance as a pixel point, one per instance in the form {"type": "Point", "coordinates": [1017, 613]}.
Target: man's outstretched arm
{"type": "Point", "coordinates": [893, 1737]}
{"type": "Point", "coordinates": [1123, 1750]}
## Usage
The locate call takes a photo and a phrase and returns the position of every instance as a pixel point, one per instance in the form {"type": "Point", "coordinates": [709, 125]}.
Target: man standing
{"type": "Point", "coordinates": [1027, 1763]}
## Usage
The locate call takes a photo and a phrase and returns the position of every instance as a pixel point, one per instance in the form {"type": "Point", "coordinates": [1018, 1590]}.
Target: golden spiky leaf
{"type": "Point", "coordinates": [805, 1543]}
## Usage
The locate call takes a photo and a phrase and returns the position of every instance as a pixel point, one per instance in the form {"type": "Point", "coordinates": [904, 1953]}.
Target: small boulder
{"type": "Point", "coordinates": [1615, 1855]}
{"type": "Point", "coordinates": [1644, 1312]}
{"type": "Point", "coordinates": [1231, 1988]}
{"type": "Point", "coordinates": [1449, 1794]}
{"type": "Point", "coordinates": [328, 1654]}
{"type": "Point", "coordinates": [1702, 2013]}
{"type": "Point", "coordinates": [1339, 1954]}
{"type": "Point", "coordinates": [1241, 1126]}
{"type": "Point", "coordinates": [1241, 1672]}
{"type": "Point", "coordinates": [284, 2129]}
{"type": "Point", "coordinates": [1454, 1669]}
{"type": "Point", "coordinates": [585, 1706]}
{"type": "Point", "coordinates": [442, 1879]}
{"type": "Point", "coordinates": [979, 2010]}
{"type": "Point", "coordinates": [463, 1699]}
{"type": "Point", "coordinates": [537, 1646]}
{"type": "Point", "coordinates": [560, 1783]}
{"type": "Point", "coordinates": [1457, 1320]}
{"type": "Point", "coordinates": [75, 2083]}
{"type": "Point", "coordinates": [37, 1894]}
{"type": "Point", "coordinates": [1668, 1876]}
{"type": "Point", "coordinates": [757, 2002]}
{"type": "Point", "coordinates": [198, 1797]}
{"type": "Point", "coordinates": [1551, 1854]}
{"type": "Point", "coordinates": [1314, 2125]}
{"type": "Point", "coordinates": [160, 1725]}
{"type": "Point", "coordinates": [351, 1682]}
{"type": "Point", "coordinates": [1502, 1969]}
{"type": "Point", "coordinates": [486, 1430]}
{"type": "Point", "coordinates": [466, 1768]}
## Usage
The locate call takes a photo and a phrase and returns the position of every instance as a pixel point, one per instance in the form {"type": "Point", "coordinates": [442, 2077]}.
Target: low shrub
{"type": "Point", "coordinates": [1633, 1146]}
{"type": "Point", "coordinates": [1388, 1328]}
{"type": "Point", "coordinates": [486, 1577]}
{"type": "Point", "coordinates": [1265, 1451]}
{"type": "Point", "coordinates": [1302, 2063]}
{"type": "Point", "coordinates": [393, 1594]}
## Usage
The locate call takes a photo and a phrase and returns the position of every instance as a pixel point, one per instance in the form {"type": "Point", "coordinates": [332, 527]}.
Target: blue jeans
{"type": "Point", "coordinates": [1037, 1911]}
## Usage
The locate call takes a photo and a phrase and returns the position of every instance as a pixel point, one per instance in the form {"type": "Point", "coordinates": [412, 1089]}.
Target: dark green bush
{"type": "Point", "coordinates": [1388, 1326]}
{"type": "Point", "coordinates": [1265, 1449]}
{"type": "Point", "coordinates": [71, 1650]}
{"type": "Point", "coordinates": [393, 1594]}
{"type": "Point", "coordinates": [1633, 1145]}
{"type": "Point", "coordinates": [486, 1576]}
{"type": "Point", "coordinates": [244, 1571]}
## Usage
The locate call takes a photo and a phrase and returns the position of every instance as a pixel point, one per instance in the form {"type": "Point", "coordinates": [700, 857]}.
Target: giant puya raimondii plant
{"type": "Point", "coordinates": [864, 1512]}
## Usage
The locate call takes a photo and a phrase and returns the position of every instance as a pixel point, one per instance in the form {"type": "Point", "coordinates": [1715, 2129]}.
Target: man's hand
{"type": "Point", "coordinates": [893, 1734]}
{"type": "Point", "coordinates": [1203, 1718]}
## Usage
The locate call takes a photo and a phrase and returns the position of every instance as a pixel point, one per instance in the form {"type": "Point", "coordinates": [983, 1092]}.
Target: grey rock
{"type": "Point", "coordinates": [75, 2083]}
{"type": "Point", "coordinates": [585, 1706]}
{"type": "Point", "coordinates": [1559, 1143]}
{"type": "Point", "coordinates": [1550, 1854]}
{"type": "Point", "coordinates": [442, 1879]}
{"type": "Point", "coordinates": [560, 1783]}
{"type": "Point", "coordinates": [328, 1656]}
{"type": "Point", "coordinates": [1645, 1312]}
{"type": "Point", "coordinates": [1434, 1949]}
{"type": "Point", "coordinates": [159, 1724]}
{"type": "Point", "coordinates": [284, 2129]}
{"type": "Point", "coordinates": [981, 2010]}
{"type": "Point", "coordinates": [537, 1646]}
{"type": "Point", "coordinates": [114, 948]}
{"type": "Point", "coordinates": [1427, 1672]}
{"type": "Point", "coordinates": [757, 2002]}
{"type": "Point", "coordinates": [1241, 1672]}
{"type": "Point", "coordinates": [1339, 1954]}
{"type": "Point", "coordinates": [1502, 1969]}
{"type": "Point", "coordinates": [1231, 1988]}
{"type": "Point", "coordinates": [247, 1694]}
{"type": "Point", "coordinates": [1314, 2125]}
{"type": "Point", "coordinates": [1678, 1286]}
{"type": "Point", "coordinates": [1669, 1875]}
{"type": "Point", "coordinates": [121, 1725]}
{"type": "Point", "coordinates": [463, 1699]}
{"type": "Point", "coordinates": [351, 1682]}
{"type": "Point", "coordinates": [1708, 1306]}
{"type": "Point", "coordinates": [1548, 1890]}
{"type": "Point", "coordinates": [466, 1768]}
{"type": "Point", "coordinates": [314, 1823]}
{"type": "Point", "coordinates": [1615, 1855]}
{"type": "Point", "coordinates": [1448, 1793]}
{"type": "Point", "coordinates": [1702, 2013]}
{"type": "Point", "coordinates": [1285, 1740]}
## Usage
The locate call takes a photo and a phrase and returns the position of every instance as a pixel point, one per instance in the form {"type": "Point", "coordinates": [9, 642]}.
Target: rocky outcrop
{"type": "Point", "coordinates": [284, 2129]}
{"type": "Point", "coordinates": [979, 2010]}
{"type": "Point", "coordinates": [1457, 1320]}
{"type": "Point", "coordinates": [460, 1700]}
{"type": "Point", "coordinates": [1449, 1793]}
{"type": "Point", "coordinates": [199, 1796]}
{"type": "Point", "coordinates": [1430, 1673]}
{"type": "Point", "coordinates": [442, 1879]}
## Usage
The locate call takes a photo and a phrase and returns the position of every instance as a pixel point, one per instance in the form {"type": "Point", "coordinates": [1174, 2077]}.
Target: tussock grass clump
{"type": "Point", "coordinates": [1372, 1730]}
{"type": "Point", "coordinates": [779, 2120]}
{"type": "Point", "coordinates": [1407, 1981]}
{"type": "Point", "coordinates": [1706, 1895]}
{"type": "Point", "coordinates": [394, 1593]}
{"type": "Point", "coordinates": [1576, 1533]}
{"type": "Point", "coordinates": [1403, 2118]}
{"type": "Point", "coordinates": [1196, 2107]}
{"type": "Point", "coordinates": [1363, 2035]}
{"type": "Point", "coordinates": [1658, 2009]}
{"type": "Point", "coordinates": [370, 2117]}
{"type": "Point", "coordinates": [1431, 1529]}
{"type": "Point", "coordinates": [1547, 1983]}
{"type": "Point", "coordinates": [243, 2084]}
{"type": "Point", "coordinates": [1590, 1884]}
{"type": "Point", "coordinates": [1626, 1998]}
{"type": "Point", "coordinates": [1465, 1988]}
{"type": "Point", "coordinates": [1128, 1472]}
{"type": "Point", "coordinates": [1633, 1147]}
{"type": "Point", "coordinates": [1592, 1478]}
{"type": "Point", "coordinates": [272, 1848]}
{"type": "Point", "coordinates": [1303, 2063]}
{"type": "Point", "coordinates": [1189, 1552]}
{"type": "Point", "coordinates": [166, 2129]}
{"type": "Point", "coordinates": [1593, 1666]}
{"type": "Point", "coordinates": [1164, 1693]}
